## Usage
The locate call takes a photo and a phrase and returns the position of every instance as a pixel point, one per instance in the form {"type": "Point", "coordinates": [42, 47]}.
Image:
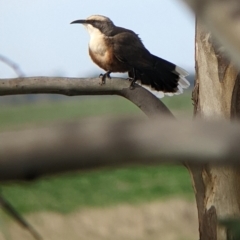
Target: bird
{"type": "Point", "coordinates": [117, 49]}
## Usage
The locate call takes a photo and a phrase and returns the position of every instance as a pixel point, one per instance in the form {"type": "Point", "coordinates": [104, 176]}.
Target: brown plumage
{"type": "Point", "coordinates": [117, 49]}
{"type": "Point", "coordinates": [108, 62]}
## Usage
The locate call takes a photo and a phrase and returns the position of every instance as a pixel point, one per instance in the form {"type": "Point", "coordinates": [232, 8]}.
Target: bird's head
{"type": "Point", "coordinates": [97, 23]}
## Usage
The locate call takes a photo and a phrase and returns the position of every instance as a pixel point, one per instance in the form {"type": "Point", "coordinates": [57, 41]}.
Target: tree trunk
{"type": "Point", "coordinates": [216, 95]}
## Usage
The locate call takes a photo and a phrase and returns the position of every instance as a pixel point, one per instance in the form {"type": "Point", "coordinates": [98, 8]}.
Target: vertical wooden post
{"type": "Point", "coordinates": [217, 189]}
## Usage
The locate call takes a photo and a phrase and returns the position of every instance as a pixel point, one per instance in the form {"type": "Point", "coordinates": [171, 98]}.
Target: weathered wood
{"type": "Point", "coordinates": [217, 188]}
{"type": "Point", "coordinates": [215, 93]}
{"type": "Point", "coordinates": [222, 19]}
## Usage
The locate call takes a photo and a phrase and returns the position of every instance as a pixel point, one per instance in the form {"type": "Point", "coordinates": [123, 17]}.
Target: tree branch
{"type": "Point", "coordinates": [95, 143]}
{"type": "Point", "coordinates": [145, 100]}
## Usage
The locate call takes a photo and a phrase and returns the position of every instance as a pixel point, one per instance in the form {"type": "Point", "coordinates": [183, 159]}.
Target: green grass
{"type": "Point", "coordinates": [12, 117]}
{"type": "Point", "coordinates": [180, 102]}
{"type": "Point", "coordinates": [100, 188]}
{"type": "Point", "coordinates": [105, 187]}
{"type": "Point", "coordinates": [75, 108]}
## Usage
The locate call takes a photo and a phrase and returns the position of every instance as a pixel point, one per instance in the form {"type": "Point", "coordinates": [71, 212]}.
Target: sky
{"type": "Point", "coordinates": [37, 35]}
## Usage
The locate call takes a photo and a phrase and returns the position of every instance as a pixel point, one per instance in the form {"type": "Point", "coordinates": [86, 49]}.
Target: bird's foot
{"type": "Point", "coordinates": [132, 84]}
{"type": "Point", "coordinates": [105, 76]}
{"type": "Point", "coordinates": [132, 77]}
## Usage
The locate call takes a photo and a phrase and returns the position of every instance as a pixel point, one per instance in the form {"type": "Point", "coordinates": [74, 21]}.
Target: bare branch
{"type": "Point", "coordinates": [12, 65]}
{"type": "Point", "coordinates": [95, 143]}
{"type": "Point", "coordinates": [222, 19]}
{"type": "Point", "coordinates": [145, 100]}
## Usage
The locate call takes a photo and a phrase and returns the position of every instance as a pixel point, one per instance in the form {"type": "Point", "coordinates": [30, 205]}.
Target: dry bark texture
{"type": "Point", "coordinates": [216, 77]}
{"type": "Point", "coordinates": [222, 19]}
{"type": "Point", "coordinates": [217, 188]}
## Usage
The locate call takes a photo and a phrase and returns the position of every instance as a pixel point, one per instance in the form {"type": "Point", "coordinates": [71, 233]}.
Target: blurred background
{"type": "Point", "coordinates": [134, 203]}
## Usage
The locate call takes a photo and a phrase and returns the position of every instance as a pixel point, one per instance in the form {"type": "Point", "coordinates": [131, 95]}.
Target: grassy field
{"type": "Point", "coordinates": [105, 187]}
{"type": "Point", "coordinates": [101, 188]}
{"type": "Point", "coordinates": [22, 115]}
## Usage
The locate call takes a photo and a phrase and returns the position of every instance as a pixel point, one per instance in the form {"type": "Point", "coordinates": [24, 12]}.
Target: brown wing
{"type": "Point", "coordinates": [128, 48]}
{"type": "Point", "coordinates": [151, 70]}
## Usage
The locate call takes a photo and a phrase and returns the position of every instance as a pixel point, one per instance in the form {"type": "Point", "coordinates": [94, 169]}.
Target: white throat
{"type": "Point", "coordinates": [96, 43]}
{"type": "Point", "coordinates": [92, 30]}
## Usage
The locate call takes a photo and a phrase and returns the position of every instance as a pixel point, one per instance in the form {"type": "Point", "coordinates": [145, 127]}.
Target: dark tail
{"type": "Point", "coordinates": [162, 76]}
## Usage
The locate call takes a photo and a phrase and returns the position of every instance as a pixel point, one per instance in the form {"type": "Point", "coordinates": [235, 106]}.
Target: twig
{"type": "Point", "coordinates": [12, 212]}
{"type": "Point", "coordinates": [12, 65]}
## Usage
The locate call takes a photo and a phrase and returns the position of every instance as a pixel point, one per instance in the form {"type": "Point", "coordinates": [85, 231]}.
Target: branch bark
{"type": "Point", "coordinates": [222, 19]}
{"type": "Point", "coordinates": [95, 143]}
{"type": "Point", "coordinates": [142, 98]}
{"type": "Point", "coordinates": [216, 189]}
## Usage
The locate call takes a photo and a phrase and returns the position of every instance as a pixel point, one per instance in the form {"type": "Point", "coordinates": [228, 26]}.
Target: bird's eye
{"type": "Point", "coordinates": [95, 22]}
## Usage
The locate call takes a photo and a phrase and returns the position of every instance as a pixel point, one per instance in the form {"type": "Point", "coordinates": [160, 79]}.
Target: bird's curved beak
{"type": "Point", "coordinates": [79, 21]}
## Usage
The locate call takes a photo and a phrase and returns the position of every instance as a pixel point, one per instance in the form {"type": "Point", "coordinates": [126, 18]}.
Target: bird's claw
{"type": "Point", "coordinates": [104, 76]}
{"type": "Point", "coordinates": [132, 84]}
